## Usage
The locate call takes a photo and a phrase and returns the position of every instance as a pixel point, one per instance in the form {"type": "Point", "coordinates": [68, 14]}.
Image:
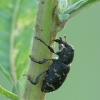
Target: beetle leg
{"type": "Point", "coordinates": [42, 61]}
{"type": "Point", "coordinates": [49, 47]}
{"type": "Point", "coordinates": [36, 80]}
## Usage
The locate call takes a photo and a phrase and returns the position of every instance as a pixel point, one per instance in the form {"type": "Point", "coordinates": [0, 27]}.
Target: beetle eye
{"type": "Point", "coordinates": [61, 46]}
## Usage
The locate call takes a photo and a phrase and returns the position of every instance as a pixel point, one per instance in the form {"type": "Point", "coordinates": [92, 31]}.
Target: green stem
{"type": "Point", "coordinates": [46, 29]}
{"type": "Point", "coordinates": [12, 53]}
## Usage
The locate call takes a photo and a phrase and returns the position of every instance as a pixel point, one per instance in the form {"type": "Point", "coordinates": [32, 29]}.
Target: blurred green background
{"type": "Point", "coordinates": [82, 83]}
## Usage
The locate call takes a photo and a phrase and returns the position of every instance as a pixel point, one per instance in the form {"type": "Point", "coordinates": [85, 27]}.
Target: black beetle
{"type": "Point", "coordinates": [58, 70]}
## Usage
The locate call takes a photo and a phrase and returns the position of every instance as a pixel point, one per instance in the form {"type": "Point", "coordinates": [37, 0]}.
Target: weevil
{"type": "Point", "coordinates": [58, 70]}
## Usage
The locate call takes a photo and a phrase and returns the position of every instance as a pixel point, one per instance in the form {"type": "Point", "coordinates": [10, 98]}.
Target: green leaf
{"type": "Point", "coordinates": [62, 5]}
{"type": "Point", "coordinates": [16, 17]}
{"type": "Point", "coordinates": [87, 4]}
{"type": "Point", "coordinates": [73, 7]}
{"type": "Point", "coordinates": [6, 74]}
{"type": "Point", "coordinates": [63, 17]}
{"type": "Point", "coordinates": [8, 94]}
{"type": "Point", "coordinates": [20, 88]}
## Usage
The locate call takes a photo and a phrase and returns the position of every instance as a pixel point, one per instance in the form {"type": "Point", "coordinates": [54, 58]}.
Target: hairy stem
{"type": "Point", "coordinates": [46, 29]}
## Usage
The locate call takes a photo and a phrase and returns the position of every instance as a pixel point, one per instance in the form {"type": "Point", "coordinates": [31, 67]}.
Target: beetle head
{"type": "Point", "coordinates": [61, 42]}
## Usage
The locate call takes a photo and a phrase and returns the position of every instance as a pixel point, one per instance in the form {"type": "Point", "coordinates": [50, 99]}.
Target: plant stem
{"type": "Point", "coordinates": [46, 29]}
{"type": "Point", "coordinates": [12, 53]}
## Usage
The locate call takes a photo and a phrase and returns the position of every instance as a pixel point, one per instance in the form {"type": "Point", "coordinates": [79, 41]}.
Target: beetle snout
{"type": "Point", "coordinates": [58, 41]}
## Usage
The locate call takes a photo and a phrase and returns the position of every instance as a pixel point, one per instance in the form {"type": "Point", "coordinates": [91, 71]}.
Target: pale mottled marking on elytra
{"type": "Point", "coordinates": [57, 75]}
{"type": "Point", "coordinates": [60, 78]}
{"type": "Point", "coordinates": [47, 83]}
{"type": "Point", "coordinates": [50, 85]}
{"type": "Point", "coordinates": [50, 79]}
{"type": "Point", "coordinates": [54, 70]}
{"type": "Point", "coordinates": [46, 75]}
{"type": "Point", "coordinates": [60, 82]}
{"type": "Point", "coordinates": [64, 74]}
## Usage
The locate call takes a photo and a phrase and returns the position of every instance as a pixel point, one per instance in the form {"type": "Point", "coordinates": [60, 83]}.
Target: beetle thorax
{"type": "Point", "coordinates": [66, 54]}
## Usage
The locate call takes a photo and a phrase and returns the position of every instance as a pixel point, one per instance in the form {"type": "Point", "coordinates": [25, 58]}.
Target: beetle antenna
{"type": "Point", "coordinates": [60, 38]}
{"type": "Point", "coordinates": [65, 38]}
